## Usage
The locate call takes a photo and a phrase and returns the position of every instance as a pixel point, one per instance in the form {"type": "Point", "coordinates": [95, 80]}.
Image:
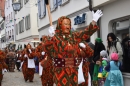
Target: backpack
{"type": "Point", "coordinates": [121, 47]}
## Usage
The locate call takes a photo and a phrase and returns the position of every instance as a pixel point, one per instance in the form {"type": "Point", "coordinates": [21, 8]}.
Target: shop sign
{"type": "Point", "coordinates": [79, 20]}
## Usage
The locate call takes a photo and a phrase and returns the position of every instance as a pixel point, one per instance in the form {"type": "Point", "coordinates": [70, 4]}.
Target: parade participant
{"type": "Point", "coordinates": [28, 66]}
{"type": "Point", "coordinates": [86, 52]}
{"type": "Point", "coordinates": [46, 67]}
{"type": "Point", "coordinates": [3, 65]}
{"type": "Point", "coordinates": [11, 59]}
{"type": "Point", "coordinates": [64, 48]}
{"type": "Point", "coordinates": [18, 59]}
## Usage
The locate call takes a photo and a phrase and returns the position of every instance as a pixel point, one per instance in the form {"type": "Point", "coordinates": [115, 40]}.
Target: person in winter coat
{"type": "Point", "coordinates": [115, 76]}
{"type": "Point", "coordinates": [114, 45]}
{"type": "Point", "coordinates": [99, 46]}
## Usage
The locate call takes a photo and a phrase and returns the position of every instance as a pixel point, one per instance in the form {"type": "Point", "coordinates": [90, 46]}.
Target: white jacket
{"type": "Point", "coordinates": [119, 50]}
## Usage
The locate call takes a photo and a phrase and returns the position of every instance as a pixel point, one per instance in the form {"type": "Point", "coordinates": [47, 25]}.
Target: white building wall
{"type": "Point", "coordinates": [9, 25]}
{"type": "Point", "coordinates": [28, 35]}
{"type": "Point", "coordinates": [2, 34]}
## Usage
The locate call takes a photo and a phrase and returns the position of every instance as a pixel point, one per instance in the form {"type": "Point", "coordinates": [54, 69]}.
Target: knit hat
{"type": "Point", "coordinates": [114, 56]}
{"type": "Point", "coordinates": [103, 53]}
{"type": "Point", "coordinates": [99, 40]}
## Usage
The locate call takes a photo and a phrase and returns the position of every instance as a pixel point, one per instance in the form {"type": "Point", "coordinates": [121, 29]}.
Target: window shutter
{"type": "Point", "coordinates": [44, 8]}
{"type": "Point", "coordinates": [55, 4]}
{"type": "Point", "coordinates": [23, 25]}
{"type": "Point", "coordinates": [59, 2]}
{"type": "Point", "coordinates": [39, 8]}
{"type": "Point", "coordinates": [29, 24]}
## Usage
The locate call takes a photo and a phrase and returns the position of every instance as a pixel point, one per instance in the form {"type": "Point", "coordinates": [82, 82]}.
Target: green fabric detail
{"type": "Point", "coordinates": [99, 40]}
{"type": "Point", "coordinates": [95, 72]}
{"type": "Point", "coordinates": [104, 64]}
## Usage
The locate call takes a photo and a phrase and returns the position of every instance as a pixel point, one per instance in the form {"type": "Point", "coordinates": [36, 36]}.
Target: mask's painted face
{"type": "Point", "coordinates": [66, 26]}
{"type": "Point", "coordinates": [29, 46]}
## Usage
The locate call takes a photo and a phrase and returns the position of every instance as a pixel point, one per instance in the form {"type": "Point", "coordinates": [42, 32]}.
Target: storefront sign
{"type": "Point", "coordinates": [80, 20]}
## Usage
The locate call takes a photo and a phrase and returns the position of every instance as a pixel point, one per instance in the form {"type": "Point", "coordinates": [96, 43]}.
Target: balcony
{"type": "Point", "coordinates": [99, 3]}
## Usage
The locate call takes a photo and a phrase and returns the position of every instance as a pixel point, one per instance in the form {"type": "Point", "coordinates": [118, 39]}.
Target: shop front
{"type": "Point", "coordinates": [116, 19]}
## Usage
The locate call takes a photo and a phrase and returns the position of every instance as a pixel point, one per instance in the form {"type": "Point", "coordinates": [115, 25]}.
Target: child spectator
{"type": "Point", "coordinates": [115, 76]}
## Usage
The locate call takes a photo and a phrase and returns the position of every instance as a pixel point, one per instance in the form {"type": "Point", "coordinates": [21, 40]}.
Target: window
{"type": "Point", "coordinates": [121, 29]}
{"type": "Point", "coordinates": [9, 17]}
{"type": "Point", "coordinates": [53, 4]}
{"type": "Point", "coordinates": [10, 32]}
{"type": "Point", "coordinates": [41, 8]}
{"type": "Point", "coordinates": [27, 22]}
{"type": "Point", "coordinates": [59, 2]}
{"type": "Point", "coordinates": [17, 28]}
{"type": "Point", "coordinates": [22, 25]}
{"type": "Point", "coordinates": [65, 1]}
{"type": "Point", "coordinates": [2, 26]}
{"type": "Point", "coordinates": [25, 1]}
{"type": "Point", "coordinates": [21, 1]}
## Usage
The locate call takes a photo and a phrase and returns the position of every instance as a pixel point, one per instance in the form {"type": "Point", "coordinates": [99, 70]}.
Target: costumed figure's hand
{"type": "Point", "coordinates": [25, 55]}
{"type": "Point", "coordinates": [97, 15]}
{"type": "Point", "coordinates": [30, 50]}
{"type": "Point", "coordinates": [5, 70]}
{"type": "Point", "coordinates": [43, 53]}
{"type": "Point", "coordinates": [17, 55]}
{"type": "Point", "coordinates": [51, 31]}
{"type": "Point", "coordinates": [82, 45]}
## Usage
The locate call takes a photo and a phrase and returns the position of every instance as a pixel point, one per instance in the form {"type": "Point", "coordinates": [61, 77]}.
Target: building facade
{"type": "Point", "coordinates": [2, 35]}
{"type": "Point", "coordinates": [26, 28]}
{"type": "Point", "coordinates": [9, 22]}
{"type": "Point", "coordinates": [76, 10]}
{"type": "Point", "coordinates": [116, 19]}
{"type": "Point", "coordinates": [2, 28]}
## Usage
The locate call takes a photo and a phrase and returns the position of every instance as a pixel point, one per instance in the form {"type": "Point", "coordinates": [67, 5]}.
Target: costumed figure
{"type": "Point", "coordinates": [63, 47]}
{"type": "Point", "coordinates": [85, 53]}
{"type": "Point", "coordinates": [3, 65]}
{"type": "Point", "coordinates": [28, 66]}
{"type": "Point", "coordinates": [11, 58]}
{"type": "Point", "coordinates": [45, 64]}
{"type": "Point", "coordinates": [102, 72]}
{"type": "Point", "coordinates": [18, 60]}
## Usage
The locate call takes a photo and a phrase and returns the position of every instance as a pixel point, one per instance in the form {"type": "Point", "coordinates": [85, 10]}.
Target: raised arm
{"type": "Point", "coordinates": [85, 34]}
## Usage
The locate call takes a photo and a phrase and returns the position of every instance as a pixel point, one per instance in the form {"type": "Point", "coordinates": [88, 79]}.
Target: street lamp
{"type": "Point", "coordinates": [16, 5]}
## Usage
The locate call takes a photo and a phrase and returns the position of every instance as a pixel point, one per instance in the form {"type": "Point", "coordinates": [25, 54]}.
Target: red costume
{"type": "Point", "coordinates": [28, 72]}
{"type": "Point", "coordinates": [2, 64]}
{"type": "Point", "coordinates": [47, 72]}
{"type": "Point", "coordinates": [64, 48]}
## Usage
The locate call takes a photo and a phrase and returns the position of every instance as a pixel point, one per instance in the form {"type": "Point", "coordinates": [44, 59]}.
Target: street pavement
{"type": "Point", "coordinates": [16, 79]}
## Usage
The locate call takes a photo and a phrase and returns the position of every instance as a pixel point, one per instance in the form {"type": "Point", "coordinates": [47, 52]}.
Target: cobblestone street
{"type": "Point", "coordinates": [16, 79]}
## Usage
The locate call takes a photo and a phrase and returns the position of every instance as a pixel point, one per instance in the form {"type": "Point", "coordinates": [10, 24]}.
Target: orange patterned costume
{"type": "Point", "coordinates": [64, 49]}
{"type": "Point", "coordinates": [28, 72]}
{"type": "Point", "coordinates": [2, 64]}
{"type": "Point", "coordinates": [85, 53]}
{"type": "Point", "coordinates": [47, 73]}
